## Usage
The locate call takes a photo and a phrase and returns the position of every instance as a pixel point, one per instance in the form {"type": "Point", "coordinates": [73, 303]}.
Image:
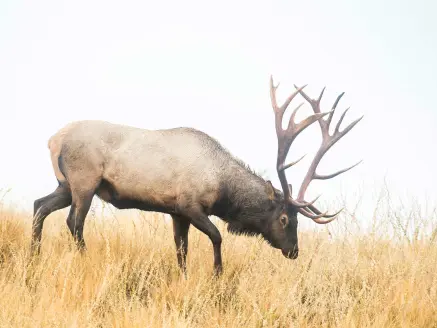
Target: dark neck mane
{"type": "Point", "coordinates": [243, 200]}
{"type": "Point", "coordinates": [244, 204]}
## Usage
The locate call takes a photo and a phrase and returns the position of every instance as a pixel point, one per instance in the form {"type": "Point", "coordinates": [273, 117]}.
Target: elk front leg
{"type": "Point", "coordinates": [201, 221]}
{"type": "Point", "coordinates": [180, 229]}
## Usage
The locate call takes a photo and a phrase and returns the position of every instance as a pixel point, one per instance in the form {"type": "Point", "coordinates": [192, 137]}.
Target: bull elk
{"type": "Point", "coordinates": [187, 174]}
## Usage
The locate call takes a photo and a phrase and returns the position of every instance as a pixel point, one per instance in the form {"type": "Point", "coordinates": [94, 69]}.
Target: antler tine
{"type": "Point", "coordinates": [333, 175]}
{"type": "Point", "coordinates": [284, 167]}
{"type": "Point", "coordinates": [273, 94]}
{"type": "Point", "coordinates": [328, 141]}
{"type": "Point", "coordinates": [313, 210]}
{"type": "Point", "coordinates": [287, 136]}
{"type": "Point", "coordinates": [334, 107]}
{"type": "Point", "coordinates": [330, 218]}
{"type": "Point", "coordinates": [304, 205]}
{"type": "Point", "coordinates": [317, 217]}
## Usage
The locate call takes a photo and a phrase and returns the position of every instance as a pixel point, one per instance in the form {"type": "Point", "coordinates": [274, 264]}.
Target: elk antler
{"type": "Point", "coordinates": [327, 142]}
{"type": "Point", "coordinates": [286, 138]}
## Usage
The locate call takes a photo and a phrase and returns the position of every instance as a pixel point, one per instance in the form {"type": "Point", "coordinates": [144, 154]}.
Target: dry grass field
{"type": "Point", "coordinates": [129, 276]}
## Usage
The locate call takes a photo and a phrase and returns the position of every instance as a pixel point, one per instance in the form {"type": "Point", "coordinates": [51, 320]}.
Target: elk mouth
{"type": "Point", "coordinates": [291, 253]}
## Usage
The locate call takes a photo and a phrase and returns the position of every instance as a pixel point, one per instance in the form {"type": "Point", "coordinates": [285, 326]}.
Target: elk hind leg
{"type": "Point", "coordinates": [81, 203]}
{"type": "Point", "coordinates": [43, 207]}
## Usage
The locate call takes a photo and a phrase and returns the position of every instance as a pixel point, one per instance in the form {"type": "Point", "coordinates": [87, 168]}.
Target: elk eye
{"type": "Point", "coordinates": [284, 220]}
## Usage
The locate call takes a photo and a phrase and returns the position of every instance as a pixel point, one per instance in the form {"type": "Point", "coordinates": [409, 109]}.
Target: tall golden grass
{"type": "Point", "coordinates": [129, 277]}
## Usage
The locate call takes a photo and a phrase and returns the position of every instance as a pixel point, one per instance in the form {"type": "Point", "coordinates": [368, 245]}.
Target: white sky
{"type": "Point", "coordinates": [159, 64]}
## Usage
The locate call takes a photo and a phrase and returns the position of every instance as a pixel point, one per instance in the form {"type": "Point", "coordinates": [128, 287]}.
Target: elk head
{"type": "Point", "coordinates": [283, 226]}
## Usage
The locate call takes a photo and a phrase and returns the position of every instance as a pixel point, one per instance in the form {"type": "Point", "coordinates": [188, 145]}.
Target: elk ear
{"type": "Point", "coordinates": [270, 190]}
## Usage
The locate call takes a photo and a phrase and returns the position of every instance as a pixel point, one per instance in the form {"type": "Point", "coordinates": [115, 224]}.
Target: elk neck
{"type": "Point", "coordinates": [244, 203]}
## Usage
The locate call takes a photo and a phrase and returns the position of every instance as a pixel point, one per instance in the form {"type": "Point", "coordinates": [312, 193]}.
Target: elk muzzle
{"type": "Point", "coordinates": [291, 253]}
